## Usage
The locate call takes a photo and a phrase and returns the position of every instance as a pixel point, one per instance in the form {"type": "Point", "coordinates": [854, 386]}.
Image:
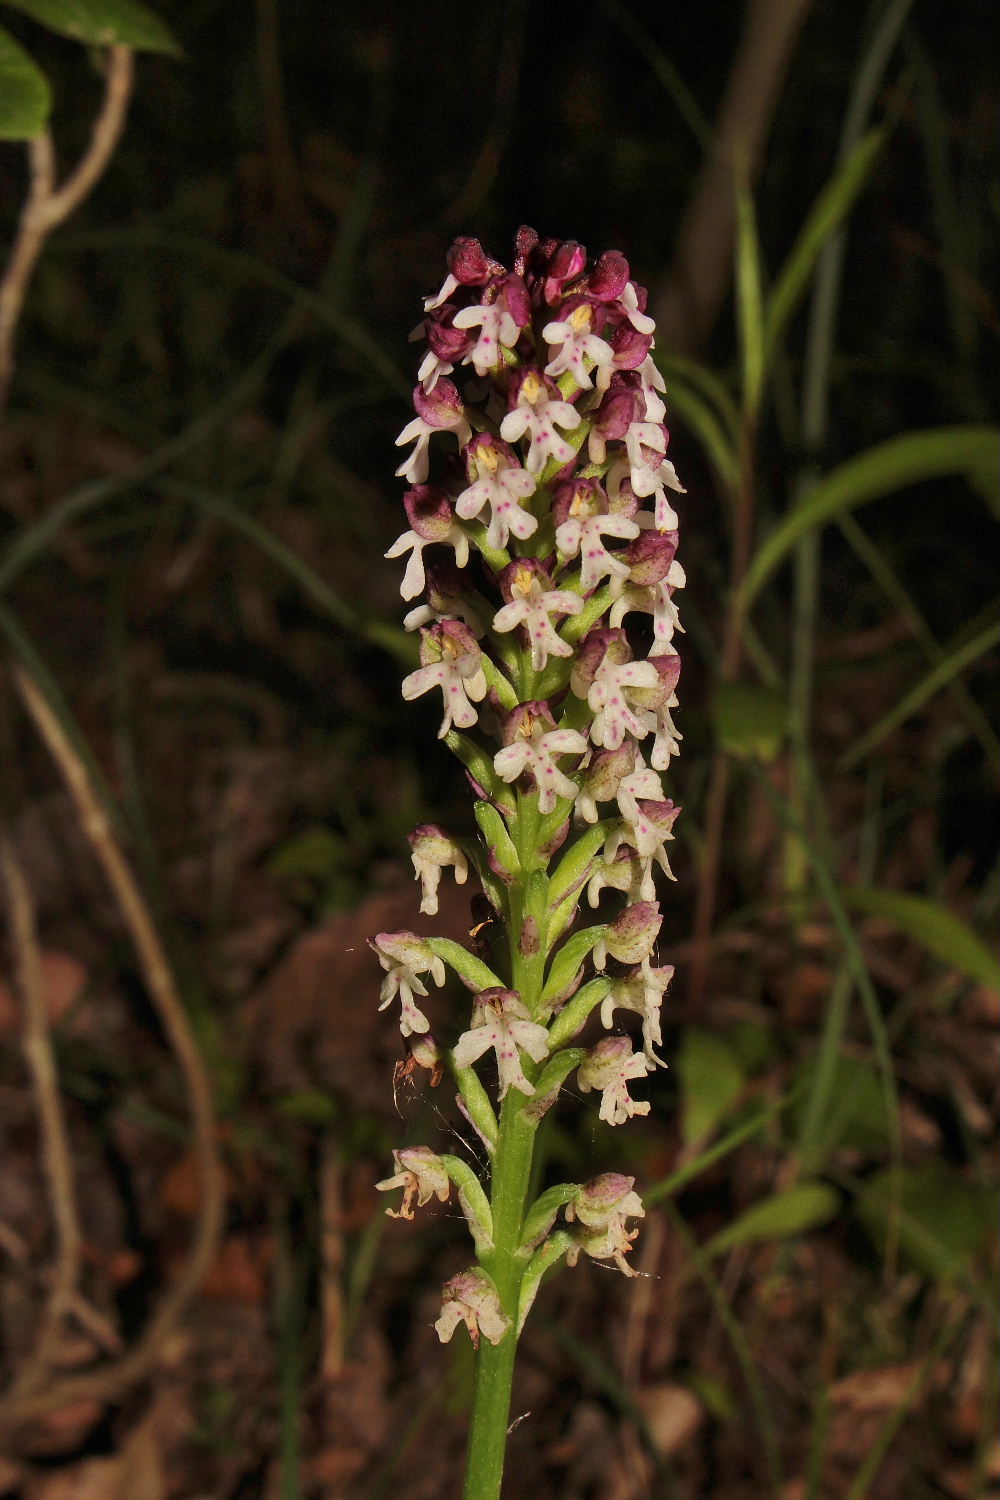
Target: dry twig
{"type": "Point", "coordinates": [48, 205]}
{"type": "Point", "coordinates": [56, 1154]}
{"type": "Point", "coordinates": [110, 1380]}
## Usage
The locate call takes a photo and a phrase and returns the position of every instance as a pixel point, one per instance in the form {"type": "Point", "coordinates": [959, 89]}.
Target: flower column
{"type": "Point", "coordinates": [547, 623]}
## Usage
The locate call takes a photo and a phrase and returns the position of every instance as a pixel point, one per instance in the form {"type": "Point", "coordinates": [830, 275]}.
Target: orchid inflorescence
{"type": "Point", "coordinates": [542, 495]}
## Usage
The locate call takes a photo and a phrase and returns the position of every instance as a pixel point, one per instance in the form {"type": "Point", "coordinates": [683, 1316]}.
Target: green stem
{"type": "Point", "coordinates": [495, 1362]}
{"type": "Point", "coordinates": [511, 1180]}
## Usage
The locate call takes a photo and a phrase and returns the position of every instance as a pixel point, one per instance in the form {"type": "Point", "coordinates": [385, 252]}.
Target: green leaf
{"type": "Point", "coordinates": [939, 1220]}
{"type": "Point", "coordinates": [951, 663]}
{"type": "Point", "coordinates": [928, 922]}
{"type": "Point", "coordinates": [569, 959]}
{"type": "Point", "coordinates": [667, 1187]}
{"type": "Point", "coordinates": [313, 854]}
{"type": "Point", "coordinates": [711, 1081]}
{"type": "Point", "coordinates": [25, 96]}
{"type": "Point", "coordinates": [101, 23]}
{"type": "Point", "coordinates": [793, 1211]}
{"type": "Point", "coordinates": [470, 969]}
{"type": "Point", "coordinates": [854, 1114]}
{"type": "Point", "coordinates": [826, 216]}
{"type": "Point", "coordinates": [749, 720]}
{"type": "Point", "coordinates": [890, 466]}
{"type": "Point", "coordinates": [749, 300]}
{"type": "Point", "coordinates": [309, 1106]}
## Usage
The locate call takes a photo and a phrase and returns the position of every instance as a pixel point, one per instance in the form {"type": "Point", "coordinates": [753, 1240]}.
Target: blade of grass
{"type": "Point", "coordinates": [827, 884]}
{"type": "Point", "coordinates": [697, 414]}
{"type": "Point", "coordinates": [954, 660]}
{"type": "Point", "coordinates": [390, 637]}
{"type": "Point", "coordinates": [882, 573]}
{"type": "Point", "coordinates": [237, 263]}
{"type": "Point", "coordinates": [825, 237]}
{"type": "Point", "coordinates": [749, 301]}
{"type": "Point", "coordinates": [34, 665]}
{"type": "Point", "coordinates": [826, 216]}
{"type": "Point", "coordinates": [821, 1125]}
{"type": "Point", "coordinates": [660, 64]}
{"type": "Point", "coordinates": [742, 1350]}
{"type": "Point", "coordinates": [892, 465]}
{"type": "Point", "coordinates": [32, 541]}
{"type": "Point", "coordinates": [700, 378]}
{"type": "Point", "coordinates": [667, 1187]}
{"type": "Point", "coordinates": [863, 1479]}
{"type": "Point", "coordinates": [929, 923]}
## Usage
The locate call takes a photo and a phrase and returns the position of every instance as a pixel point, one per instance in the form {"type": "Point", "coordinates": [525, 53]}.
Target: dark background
{"type": "Point", "coordinates": [221, 332]}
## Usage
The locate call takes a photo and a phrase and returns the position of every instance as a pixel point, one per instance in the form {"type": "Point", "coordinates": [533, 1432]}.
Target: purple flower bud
{"type": "Point", "coordinates": [525, 245]}
{"type": "Point", "coordinates": [446, 341]}
{"type": "Point", "coordinates": [609, 277]}
{"type": "Point", "coordinates": [669, 667]}
{"type": "Point", "coordinates": [441, 407]}
{"type": "Point", "coordinates": [630, 347]}
{"type": "Point", "coordinates": [469, 263]}
{"type": "Point", "coordinates": [632, 934]}
{"type": "Point", "coordinates": [429, 511]}
{"type": "Point", "coordinates": [565, 263]}
{"type": "Point", "coordinates": [649, 556]}
{"type": "Point", "coordinates": [603, 1198]}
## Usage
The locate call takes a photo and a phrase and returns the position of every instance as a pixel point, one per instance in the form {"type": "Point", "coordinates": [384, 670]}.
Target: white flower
{"type": "Point", "coordinates": [430, 851]}
{"type": "Point", "coordinates": [578, 345]}
{"type": "Point", "coordinates": [438, 410]}
{"type": "Point", "coordinates": [503, 491]}
{"type": "Point", "coordinates": [654, 599]}
{"type": "Point", "coordinates": [502, 1021]}
{"type": "Point", "coordinates": [532, 751]}
{"type": "Point", "coordinates": [609, 1067]}
{"type": "Point", "coordinates": [431, 370]}
{"type": "Point", "coordinates": [641, 991]}
{"type": "Point", "coordinates": [613, 715]}
{"type": "Point", "coordinates": [652, 383]}
{"type": "Point", "coordinates": [640, 321]}
{"type": "Point", "coordinates": [404, 957]}
{"type": "Point", "coordinates": [421, 1174]}
{"type": "Point", "coordinates": [583, 534]}
{"type": "Point", "coordinates": [497, 326]}
{"type": "Point", "coordinates": [471, 1298]}
{"type": "Point", "coordinates": [452, 661]}
{"type": "Point", "coordinates": [531, 607]}
{"type": "Point", "coordinates": [642, 439]}
{"type": "Point", "coordinates": [601, 1208]}
{"type": "Point", "coordinates": [412, 542]}
{"type": "Point", "coordinates": [538, 414]}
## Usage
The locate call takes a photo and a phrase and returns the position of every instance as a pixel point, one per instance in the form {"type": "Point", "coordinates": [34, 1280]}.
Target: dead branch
{"type": "Point", "coordinates": [48, 205]}
{"type": "Point", "coordinates": [112, 1379]}
{"type": "Point", "coordinates": [56, 1155]}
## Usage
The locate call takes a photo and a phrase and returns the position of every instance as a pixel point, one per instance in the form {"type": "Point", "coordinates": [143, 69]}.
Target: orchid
{"type": "Point", "coordinates": [538, 555]}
